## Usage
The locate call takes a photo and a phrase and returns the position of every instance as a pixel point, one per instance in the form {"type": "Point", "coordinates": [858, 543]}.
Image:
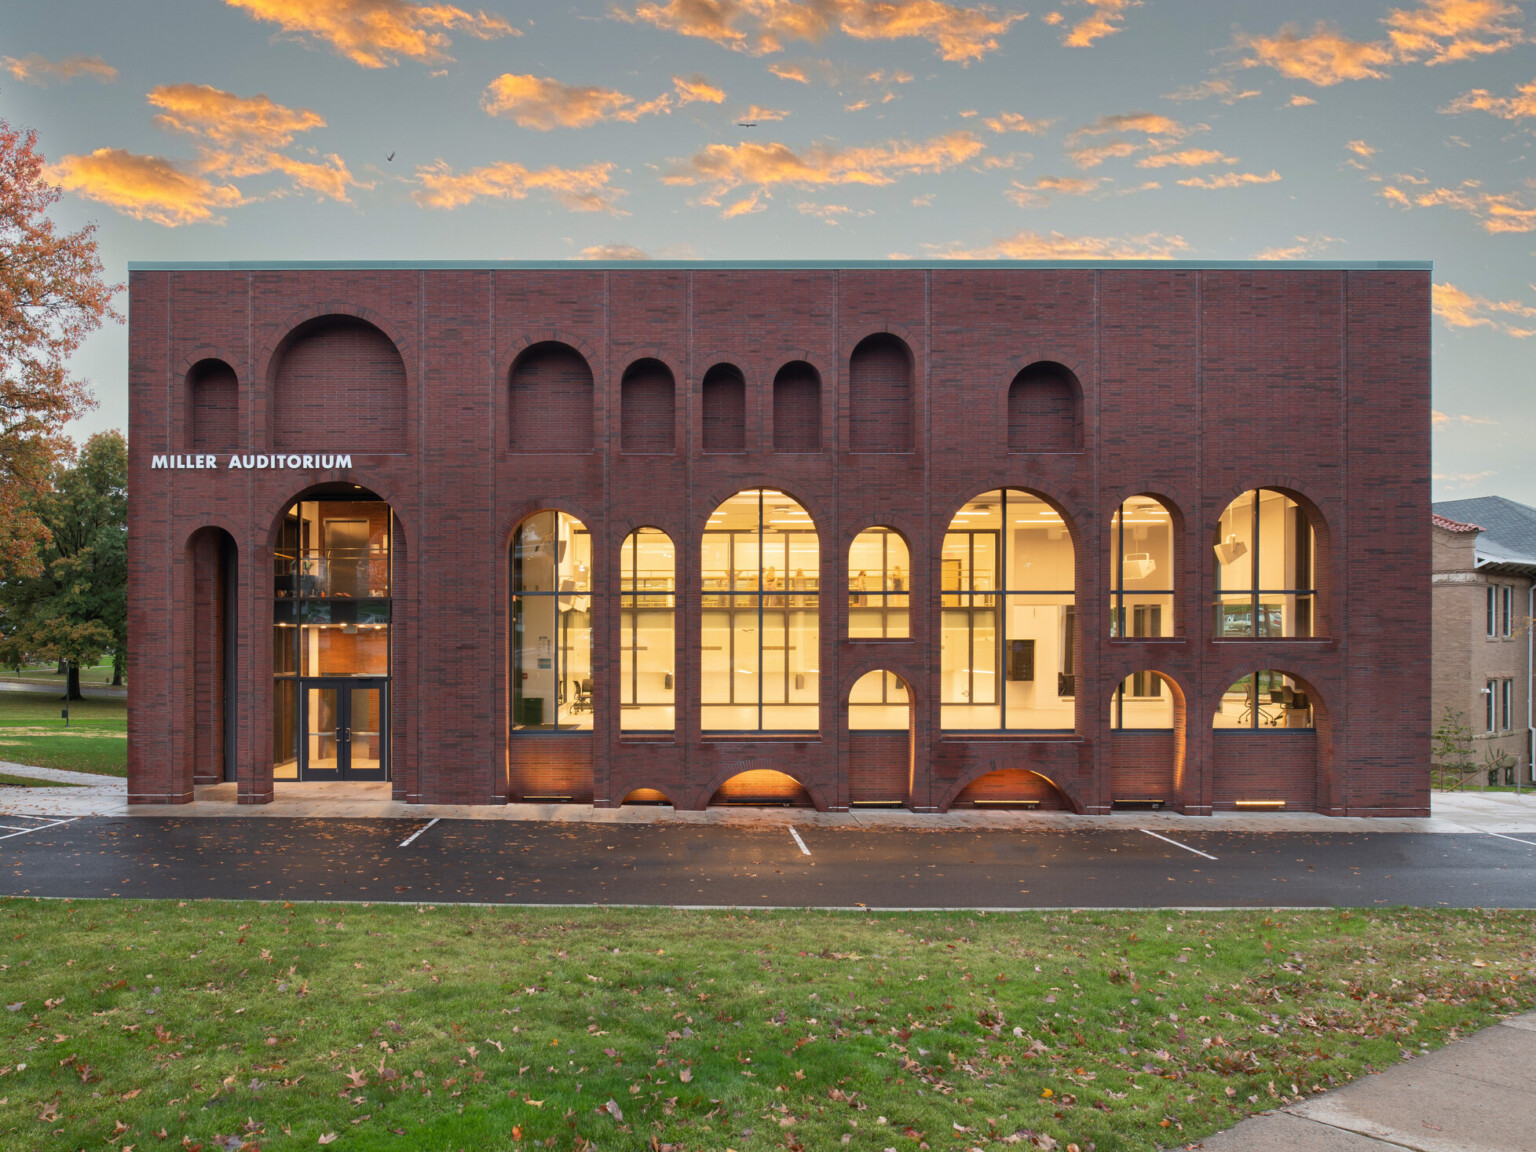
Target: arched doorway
{"type": "Point", "coordinates": [880, 731]}
{"type": "Point", "coordinates": [332, 569]}
{"type": "Point", "coordinates": [212, 644]}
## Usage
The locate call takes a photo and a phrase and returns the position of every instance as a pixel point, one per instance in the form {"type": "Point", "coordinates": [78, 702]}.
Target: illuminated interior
{"type": "Point", "coordinates": [1141, 569]}
{"type": "Point", "coordinates": [1265, 585]}
{"type": "Point", "coordinates": [648, 588]}
{"type": "Point", "coordinates": [1265, 700]}
{"type": "Point", "coordinates": [1142, 700]}
{"type": "Point", "coordinates": [551, 624]}
{"type": "Point", "coordinates": [879, 701]}
{"type": "Point", "coordinates": [879, 586]}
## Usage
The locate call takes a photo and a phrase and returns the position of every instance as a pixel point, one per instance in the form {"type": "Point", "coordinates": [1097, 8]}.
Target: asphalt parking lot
{"type": "Point", "coordinates": [479, 861]}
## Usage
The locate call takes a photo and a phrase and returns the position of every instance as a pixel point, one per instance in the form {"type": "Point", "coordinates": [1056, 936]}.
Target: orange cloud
{"type": "Point", "coordinates": [722, 167]}
{"type": "Point", "coordinates": [695, 89]}
{"type": "Point", "coordinates": [960, 34]}
{"type": "Point", "coordinates": [579, 189]}
{"type": "Point", "coordinates": [1497, 212]}
{"type": "Point", "coordinates": [790, 72]}
{"type": "Point", "coordinates": [39, 70]}
{"type": "Point", "coordinates": [1186, 158]}
{"type": "Point", "coordinates": [757, 115]}
{"type": "Point", "coordinates": [1106, 20]}
{"type": "Point", "coordinates": [543, 103]}
{"type": "Point", "coordinates": [1461, 309]}
{"type": "Point", "coordinates": [1013, 122]}
{"type": "Point", "coordinates": [1150, 123]}
{"type": "Point", "coordinates": [1219, 88]}
{"type": "Point", "coordinates": [1056, 246]}
{"type": "Point", "coordinates": [1038, 194]}
{"type": "Point", "coordinates": [145, 187]}
{"type": "Point", "coordinates": [614, 252]}
{"type": "Point", "coordinates": [1437, 32]}
{"type": "Point", "coordinates": [1516, 107]}
{"type": "Point", "coordinates": [1301, 101]}
{"type": "Point", "coordinates": [1361, 149]}
{"type": "Point", "coordinates": [1093, 157]}
{"type": "Point", "coordinates": [1230, 180]}
{"type": "Point", "coordinates": [1304, 247]}
{"type": "Point", "coordinates": [376, 33]}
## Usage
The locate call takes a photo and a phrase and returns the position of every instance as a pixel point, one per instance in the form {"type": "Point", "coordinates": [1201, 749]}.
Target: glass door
{"type": "Point", "coordinates": [345, 730]}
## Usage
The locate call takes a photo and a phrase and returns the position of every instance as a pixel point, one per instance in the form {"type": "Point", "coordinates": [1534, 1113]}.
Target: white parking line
{"type": "Point", "coordinates": [1176, 844]}
{"type": "Point", "coordinates": [1501, 836]}
{"type": "Point", "coordinates": [799, 841]}
{"type": "Point", "coordinates": [419, 831]}
{"type": "Point", "coordinates": [39, 828]}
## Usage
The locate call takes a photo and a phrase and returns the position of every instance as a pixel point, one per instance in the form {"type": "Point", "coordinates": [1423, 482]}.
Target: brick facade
{"type": "Point", "coordinates": [471, 397]}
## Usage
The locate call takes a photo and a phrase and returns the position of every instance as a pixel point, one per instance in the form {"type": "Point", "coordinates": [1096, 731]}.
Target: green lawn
{"type": "Point", "coordinates": [46, 674]}
{"type": "Point", "coordinates": [168, 1025]}
{"type": "Point", "coordinates": [30, 782]}
{"type": "Point", "coordinates": [32, 732]}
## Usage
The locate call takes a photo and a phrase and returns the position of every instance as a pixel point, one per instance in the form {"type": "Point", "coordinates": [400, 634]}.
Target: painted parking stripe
{"type": "Point", "coordinates": [1501, 836]}
{"type": "Point", "coordinates": [799, 841]}
{"type": "Point", "coordinates": [39, 828]}
{"type": "Point", "coordinates": [1176, 844]}
{"type": "Point", "coordinates": [404, 843]}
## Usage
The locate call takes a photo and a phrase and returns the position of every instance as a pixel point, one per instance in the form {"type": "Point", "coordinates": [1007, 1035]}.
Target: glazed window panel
{"type": "Point", "coordinates": [760, 628]}
{"type": "Point", "coordinates": [1141, 569]}
{"type": "Point", "coordinates": [1142, 700]}
{"type": "Point", "coordinates": [1008, 618]}
{"type": "Point", "coordinates": [552, 687]}
{"type": "Point", "coordinates": [1265, 700]}
{"type": "Point", "coordinates": [1265, 579]}
{"type": "Point", "coordinates": [647, 623]}
{"type": "Point", "coordinates": [879, 575]}
{"type": "Point", "coordinates": [879, 701]}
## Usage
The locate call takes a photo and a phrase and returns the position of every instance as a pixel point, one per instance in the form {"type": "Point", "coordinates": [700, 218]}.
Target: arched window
{"type": "Point", "coordinates": [647, 588]}
{"type": "Point", "coordinates": [879, 586]}
{"type": "Point", "coordinates": [759, 629]}
{"type": "Point", "coordinates": [1142, 700]}
{"type": "Point", "coordinates": [878, 701]}
{"type": "Point", "coordinates": [1141, 569]}
{"type": "Point", "coordinates": [1008, 622]}
{"type": "Point", "coordinates": [1265, 582]}
{"type": "Point", "coordinates": [551, 624]}
{"type": "Point", "coordinates": [1265, 700]}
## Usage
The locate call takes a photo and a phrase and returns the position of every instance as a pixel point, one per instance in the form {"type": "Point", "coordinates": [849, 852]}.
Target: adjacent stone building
{"type": "Point", "coordinates": [1484, 558]}
{"type": "Point", "coordinates": [1091, 536]}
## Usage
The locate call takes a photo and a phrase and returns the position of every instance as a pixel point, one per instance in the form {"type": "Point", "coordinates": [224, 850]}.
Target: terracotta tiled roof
{"type": "Point", "coordinates": [1453, 525]}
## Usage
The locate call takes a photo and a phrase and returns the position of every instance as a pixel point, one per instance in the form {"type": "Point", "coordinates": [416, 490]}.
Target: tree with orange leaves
{"type": "Point", "coordinates": [51, 297]}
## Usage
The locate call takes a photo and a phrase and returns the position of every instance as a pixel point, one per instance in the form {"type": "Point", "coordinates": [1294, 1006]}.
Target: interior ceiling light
{"type": "Point", "coordinates": [1230, 550]}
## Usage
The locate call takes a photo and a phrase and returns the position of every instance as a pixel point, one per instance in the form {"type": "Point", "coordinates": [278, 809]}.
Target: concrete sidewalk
{"type": "Point", "coordinates": [1478, 1095]}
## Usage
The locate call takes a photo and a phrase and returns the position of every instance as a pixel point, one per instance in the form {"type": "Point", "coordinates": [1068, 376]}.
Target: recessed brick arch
{"type": "Point", "coordinates": [339, 380]}
{"type": "Point", "coordinates": [881, 395]}
{"type": "Point", "coordinates": [210, 677]}
{"type": "Point", "coordinates": [797, 408]}
{"type": "Point", "coordinates": [551, 400]}
{"type": "Point", "coordinates": [1045, 409]}
{"type": "Point", "coordinates": [1294, 765]}
{"type": "Point", "coordinates": [881, 760]}
{"type": "Point", "coordinates": [213, 405]}
{"type": "Point", "coordinates": [757, 783]}
{"type": "Point", "coordinates": [1146, 763]}
{"type": "Point", "coordinates": [723, 409]}
{"type": "Point", "coordinates": [999, 785]}
{"type": "Point", "coordinates": [648, 407]}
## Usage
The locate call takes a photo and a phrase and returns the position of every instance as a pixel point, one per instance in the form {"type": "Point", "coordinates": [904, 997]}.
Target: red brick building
{"type": "Point", "coordinates": [1075, 535]}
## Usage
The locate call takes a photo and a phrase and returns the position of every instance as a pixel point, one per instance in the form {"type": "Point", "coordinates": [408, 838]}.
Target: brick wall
{"type": "Point", "coordinates": [508, 398]}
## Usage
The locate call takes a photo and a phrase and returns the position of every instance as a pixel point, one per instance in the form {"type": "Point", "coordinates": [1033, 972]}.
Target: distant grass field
{"type": "Point", "coordinates": [30, 782]}
{"type": "Point", "coordinates": [233, 1025]}
{"type": "Point", "coordinates": [47, 674]}
{"type": "Point", "coordinates": [32, 732]}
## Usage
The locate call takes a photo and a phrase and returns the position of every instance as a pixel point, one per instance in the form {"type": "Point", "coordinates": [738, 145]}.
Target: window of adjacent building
{"type": "Point", "coordinates": [1265, 700]}
{"type": "Point", "coordinates": [1507, 609]}
{"type": "Point", "coordinates": [1141, 700]}
{"type": "Point", "coordinates": [879, 701]}
{"type": "Point", "coordinates": [647, 590]}
{"type": "Point", "coordinates": [1264, 568]}
{"type": "Point", "coordinates": [879, 586]}
{"type": "Point", "coordinates": [330, 620]}
{"type": "Point", "coordinates": [1506, 703]}
{"type": "Point", "coordinates": [1490, 702]}
{"type": "Point", "coordinates": [1493, 610]}
{"type": "Point", "coordinates": [1141, 569]}
{"type": "Point", "coordinates": [551, 624]}
{"type": "Point", "coordinates": [1008, 621]}
{"type": "Point", "coordinates": [759, 629]}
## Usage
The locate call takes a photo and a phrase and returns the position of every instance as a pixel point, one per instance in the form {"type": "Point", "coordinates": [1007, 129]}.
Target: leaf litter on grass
{"type": "Point", "coordinates": [402, 1027]}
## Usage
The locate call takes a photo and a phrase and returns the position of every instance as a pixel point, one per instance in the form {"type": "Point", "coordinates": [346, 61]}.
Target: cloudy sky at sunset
{"type": "Point", "coordinates": [611, 129]}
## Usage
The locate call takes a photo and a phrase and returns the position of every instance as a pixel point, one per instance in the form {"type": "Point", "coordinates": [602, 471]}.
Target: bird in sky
{"type": "Point", "coordinates": [746, 123]}
{"type": "Point", "coordinates": [388, 158]}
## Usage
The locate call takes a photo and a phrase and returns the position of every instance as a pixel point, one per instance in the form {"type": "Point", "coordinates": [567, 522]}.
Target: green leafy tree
{"type": "Point", "coordinates": [75, 608]}
{"type": "Point", "coordinates": [51, 297]}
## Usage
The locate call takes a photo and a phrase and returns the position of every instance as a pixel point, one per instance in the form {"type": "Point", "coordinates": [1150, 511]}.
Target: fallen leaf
{"type": "Point", "coordinates": [327, 1138]}
{"type": "Point", "coordinates": [612, 1108]}
{"type": "Point", "coordinates": [686, 1075]}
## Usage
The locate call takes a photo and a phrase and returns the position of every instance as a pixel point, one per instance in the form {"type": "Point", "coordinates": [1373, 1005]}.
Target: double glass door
{"type": "Point", "coordinates": [345, 730]}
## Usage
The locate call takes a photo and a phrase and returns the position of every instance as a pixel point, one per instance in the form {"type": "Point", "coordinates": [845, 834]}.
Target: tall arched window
{"type": "Point", "coordinates": [1008, 623]}
{"type": "Point", "coordinates": [1141, 569]}
{"type": "Point", "coordinates": [551, 624]}
{"type": "Point", "coordinates": [759, 629]}
{"type": "Point", "coordinates": [1265, 581]}
{"type": "Point", "coordinates": [879, 586]}
{"type": "Point", "coordinates": [647, 587]}
{"type": "Point", "coordinates": [1264, 701]}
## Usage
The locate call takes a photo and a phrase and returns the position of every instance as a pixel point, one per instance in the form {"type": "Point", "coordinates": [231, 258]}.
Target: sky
{"type": "Point", "coordinates": [816, 129]}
